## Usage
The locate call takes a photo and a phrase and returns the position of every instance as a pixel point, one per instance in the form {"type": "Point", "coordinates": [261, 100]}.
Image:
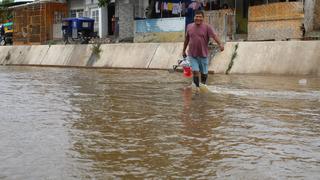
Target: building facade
{"type": "Point", "coordinates": [255, 20]}
{"type": "Point", "coordinates": [38, 22]}
{"type": "Point", "coordinates": [101, 15]}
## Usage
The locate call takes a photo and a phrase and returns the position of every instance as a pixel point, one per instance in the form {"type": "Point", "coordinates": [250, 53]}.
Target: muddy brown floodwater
{"type": "Point", "coordinates": [58, 123]}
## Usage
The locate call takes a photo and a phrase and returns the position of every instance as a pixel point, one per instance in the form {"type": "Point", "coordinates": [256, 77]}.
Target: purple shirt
{"type": "Point", "coordinates": [199, 36]}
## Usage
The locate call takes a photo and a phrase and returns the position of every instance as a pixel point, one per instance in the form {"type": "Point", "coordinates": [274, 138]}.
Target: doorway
{"type": "Point", "coordinates": [111, 19]}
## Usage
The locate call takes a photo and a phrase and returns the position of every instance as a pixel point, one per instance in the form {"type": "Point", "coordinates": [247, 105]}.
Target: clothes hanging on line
{"type": "Point", "coordinates": [158, 7]}
{"type": "Point", "coordinates": [176, 8]}
{"type": "Point", "coordinates": [165, 6]}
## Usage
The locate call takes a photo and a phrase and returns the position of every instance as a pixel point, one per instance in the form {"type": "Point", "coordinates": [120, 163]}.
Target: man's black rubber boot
{"type": "Point", "coordinates": [204, 78]}
{"type": "Point", "coordinates": [196, 81]}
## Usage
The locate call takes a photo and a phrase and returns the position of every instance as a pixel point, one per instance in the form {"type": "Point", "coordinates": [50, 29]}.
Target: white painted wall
{"type": "Point", "coordinates": [278, 57]}
{"type": "Point", "coordinates": [103, 23]}
{"type": "Point", "coordinates": [76, 4]}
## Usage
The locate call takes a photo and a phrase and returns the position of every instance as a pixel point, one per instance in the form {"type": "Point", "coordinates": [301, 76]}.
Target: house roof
{"type": "Point", "coordinates": [32, 3]}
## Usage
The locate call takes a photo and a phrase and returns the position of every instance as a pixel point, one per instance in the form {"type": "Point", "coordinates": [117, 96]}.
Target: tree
{"type": "Point", "coordinates": [5, 2]}
{"type": "Point", "coordinates": [103, 3]}
{"type": "Point", "coordinates": [5, 14]}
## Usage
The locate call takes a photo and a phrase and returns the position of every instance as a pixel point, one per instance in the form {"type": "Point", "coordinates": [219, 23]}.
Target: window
{"type": "Point", "coordinates": [76, 13]}
{"type": "Point", "coordinates": [73, 13]}
{"type": "Point", "coordinates": [80, 14]}
{"type": "Point", "coordinates": [85, 24]}
{"type": "Point", "coordinates": [95, 15]}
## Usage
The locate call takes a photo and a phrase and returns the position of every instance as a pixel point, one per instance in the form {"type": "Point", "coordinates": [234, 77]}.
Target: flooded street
{"type": "Point", "coordinates": [58, 123]}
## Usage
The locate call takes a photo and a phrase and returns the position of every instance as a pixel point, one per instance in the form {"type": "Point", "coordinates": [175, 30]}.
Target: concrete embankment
{"type": "Point", "coordinates": [287, 57]}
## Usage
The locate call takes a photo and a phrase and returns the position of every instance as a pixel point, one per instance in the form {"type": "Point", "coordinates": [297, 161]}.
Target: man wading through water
{"type": "Point", "coordinates": [197, 37]}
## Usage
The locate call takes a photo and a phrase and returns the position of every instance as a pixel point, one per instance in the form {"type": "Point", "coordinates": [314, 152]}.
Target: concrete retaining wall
{"type": "Point", "coordinates": [126, 55]}
{"type": "Point", "coordinates": [278, 57]}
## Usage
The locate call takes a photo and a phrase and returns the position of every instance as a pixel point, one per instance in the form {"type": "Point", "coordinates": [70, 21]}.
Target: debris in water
{"type": "Point", "coordinates": [303, 81]}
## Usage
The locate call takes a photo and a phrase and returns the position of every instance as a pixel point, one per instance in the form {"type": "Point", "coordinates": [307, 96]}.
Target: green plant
{"type": "Point", "coordinates": [103, 3]}
{"type": "Point", "coordinates": [233, 57]}
{"type": "Point", "coordinates": [51, 42]}
{"type": "Point", "coordinates": [5, 13]}
{"type": "Point", "coordinates": [96, 49]}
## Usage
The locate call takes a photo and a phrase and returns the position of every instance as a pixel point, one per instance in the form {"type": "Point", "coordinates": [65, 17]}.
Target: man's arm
{"type": "Point", "coordinates": [216, 38]}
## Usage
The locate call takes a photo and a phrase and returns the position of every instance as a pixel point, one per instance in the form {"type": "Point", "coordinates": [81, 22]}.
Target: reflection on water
{"type": "Point", "coordinates": [97, 124]}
